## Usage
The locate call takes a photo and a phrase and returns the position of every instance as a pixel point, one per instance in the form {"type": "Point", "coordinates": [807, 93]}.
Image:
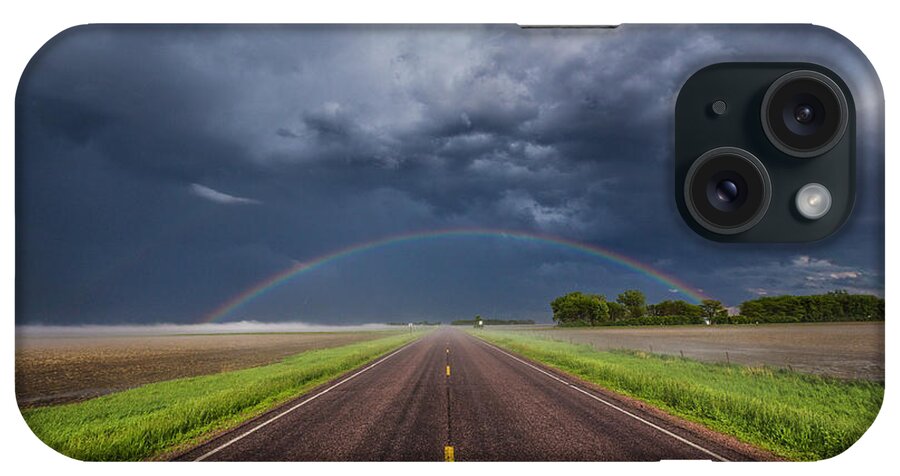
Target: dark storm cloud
{"type": "Point", "coordinates": [164, 169]}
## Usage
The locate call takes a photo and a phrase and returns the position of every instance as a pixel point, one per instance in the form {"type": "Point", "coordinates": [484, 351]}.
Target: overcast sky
{"type": "Point", "coordinates": [163, 170]}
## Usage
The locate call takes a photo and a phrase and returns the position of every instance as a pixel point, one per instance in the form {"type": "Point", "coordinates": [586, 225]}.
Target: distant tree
{"type": "Point", "coordinates": [629, 308]}
{"type": "Point", "coordinates": [712, 310]}
{"type": "Point", "coordinates": [617, 312]}
{"type": "Point", "coordinates": [634, 301]}
{"type": "Point", "coordinates": [602, 309]}
{"type": "Point", "coordinates": [492, 322]}
{"type": "Point", "coordinates": [833, 306]}
{"type": "Point", "coordinates": [674, 308]}
{"type": "Point", "coordinates": [577, 308]}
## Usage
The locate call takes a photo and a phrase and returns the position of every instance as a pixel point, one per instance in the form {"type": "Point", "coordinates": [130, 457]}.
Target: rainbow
{"type": "Point", "coordinates": [277, 279]}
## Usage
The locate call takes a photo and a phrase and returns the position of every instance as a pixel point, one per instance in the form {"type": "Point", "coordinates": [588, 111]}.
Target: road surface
{"type": "Point", "coordinates": [451, 396]}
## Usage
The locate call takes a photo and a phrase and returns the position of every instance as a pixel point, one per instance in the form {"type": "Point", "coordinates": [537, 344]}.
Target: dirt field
{"type": "Point", "coordinates": [841, 349]}
{"type": "Point", "coordinates": [51, 370]}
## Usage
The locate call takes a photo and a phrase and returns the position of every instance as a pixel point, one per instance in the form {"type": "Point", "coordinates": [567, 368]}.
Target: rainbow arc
{"type": "Point", "coordinates": [273, 281]}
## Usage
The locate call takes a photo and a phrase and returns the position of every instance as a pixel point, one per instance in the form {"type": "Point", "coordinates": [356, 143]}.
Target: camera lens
{"type": "Point", "coordinates": [727, 190]}
{"type": "Point", "coordinates": [804, 113]}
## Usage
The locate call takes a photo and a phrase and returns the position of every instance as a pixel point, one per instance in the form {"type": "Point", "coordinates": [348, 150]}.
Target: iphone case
{"type": "Point", "coordinates": [428, 242]}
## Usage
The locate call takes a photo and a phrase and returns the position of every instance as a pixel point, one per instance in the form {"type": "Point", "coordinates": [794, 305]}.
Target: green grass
{"type": "Point", "coordinates": [148, 420]}
{"type": "Point", "coordinates": [794, 415]}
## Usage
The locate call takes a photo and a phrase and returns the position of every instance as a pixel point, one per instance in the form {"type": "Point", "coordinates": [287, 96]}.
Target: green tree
{"type": "Point", "coordinates": [577, 308]}
{"type": "Point", "coordinates": [833, 306]}
{"type": "Point", "coordinates": [713, 310]}
{"type": "Point", "coordinates": [674, 308]}
{"type": "Point", "coordinates": [634, 301]}
{"type": "Point", "coordinates": [617, 312]}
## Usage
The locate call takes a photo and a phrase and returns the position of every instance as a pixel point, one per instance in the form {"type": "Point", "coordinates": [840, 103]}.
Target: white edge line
{"type": "Point", "coordinates": [611, 405]}
{"type": "Point", "coordinates": [304, 402]}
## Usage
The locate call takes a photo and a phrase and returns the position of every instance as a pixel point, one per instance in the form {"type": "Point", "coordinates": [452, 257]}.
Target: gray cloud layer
{"type": "Point", "coordinates": [131, 140]}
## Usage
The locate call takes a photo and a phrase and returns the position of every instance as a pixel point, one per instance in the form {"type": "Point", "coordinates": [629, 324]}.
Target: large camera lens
{"type": "Point", "coordinates": [804, 113]}
{"type": "Point", "coordinates": [727, 190]}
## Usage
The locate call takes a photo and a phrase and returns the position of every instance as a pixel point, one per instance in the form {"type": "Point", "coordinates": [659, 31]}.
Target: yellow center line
{"type": "Point", "coordinates": [448, 370]}
{"type": "Point", "coordinates": [448, 454]}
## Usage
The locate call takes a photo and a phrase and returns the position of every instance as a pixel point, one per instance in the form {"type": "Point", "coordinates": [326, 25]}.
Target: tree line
{"type": "Point", "coordinates": [491, 322]}
{"type": "Point", "coordinates": [834, 306]}
{"type": "Point", "coordinates": [630, 308]}
{"type": "Point", "coordinates": [419, 323]}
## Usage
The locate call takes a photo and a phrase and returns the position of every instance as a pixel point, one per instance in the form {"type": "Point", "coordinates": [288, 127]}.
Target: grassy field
{"type": "Point", "coordinates": [794, 415]}
{"type": "Point", "coordinates": [146, 421]}
{"type": "Point", "coordinates": [849, 350]}
{"type": "Point", "coordinates": [64, 369]}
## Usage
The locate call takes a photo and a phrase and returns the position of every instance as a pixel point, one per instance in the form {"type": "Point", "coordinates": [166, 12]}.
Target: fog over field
{"type": "Point", "coordinates": [175, 329]}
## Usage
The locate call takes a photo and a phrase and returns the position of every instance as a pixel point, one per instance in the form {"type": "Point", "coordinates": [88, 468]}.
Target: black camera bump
{"type": "Point", "coordinates": [751, 141]}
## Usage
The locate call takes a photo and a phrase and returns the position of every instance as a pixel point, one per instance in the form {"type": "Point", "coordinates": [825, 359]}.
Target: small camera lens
{"type": "Point", "coordinates": [804, 113]}
{"type": "Point", "coordinates": [727, 190]}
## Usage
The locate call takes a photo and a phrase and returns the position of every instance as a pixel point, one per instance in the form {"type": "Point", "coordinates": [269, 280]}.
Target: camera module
{"type": "Point", "coordinates": [765, 152]}
{"type": "Point", "coordinates": [727, 190]}
{"type": "Point", "coordinates": [804, 113]}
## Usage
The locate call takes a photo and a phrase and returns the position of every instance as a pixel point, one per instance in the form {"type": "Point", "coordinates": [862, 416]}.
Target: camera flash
{"type": "Point", "coordinates": [813, 201]}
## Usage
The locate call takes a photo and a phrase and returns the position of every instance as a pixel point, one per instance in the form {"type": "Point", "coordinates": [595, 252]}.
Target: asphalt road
{"type": "Point", "coordinates": [452, 396]}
